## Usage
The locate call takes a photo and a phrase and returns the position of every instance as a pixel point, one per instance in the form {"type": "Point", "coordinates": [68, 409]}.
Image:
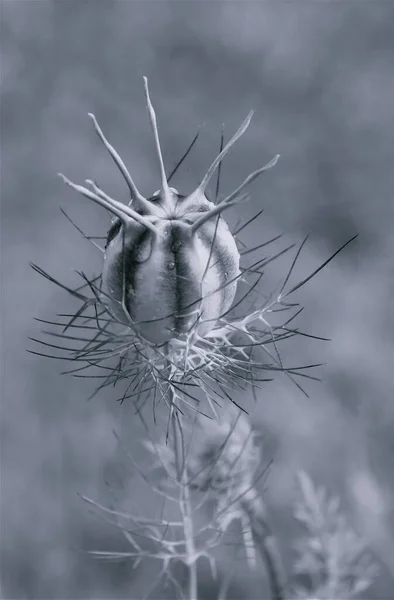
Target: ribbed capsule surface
{"type": "Point", "coordinates": [175, 281]}
{"type": "Point", "coordinates": [171, 265]}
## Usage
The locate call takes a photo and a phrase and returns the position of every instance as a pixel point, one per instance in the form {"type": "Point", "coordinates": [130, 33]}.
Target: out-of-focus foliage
{"type": "Point", "coordinates": [332, 556]}
{"type": "Point", "coordinates": [319, 76]}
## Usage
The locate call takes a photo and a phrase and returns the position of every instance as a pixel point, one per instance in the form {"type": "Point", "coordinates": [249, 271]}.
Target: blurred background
{"type": "Point", "coordinates": [319, 76]}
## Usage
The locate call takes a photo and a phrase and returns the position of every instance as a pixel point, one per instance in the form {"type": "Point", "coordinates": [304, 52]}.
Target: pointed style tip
{"type": "Point", "coordinates": [146, 86]}
{"type": "Point", "coordinates": [153, 122]}
{"type": "Point", "coordinates": [248, 119]}
{"type": "Point", "coordinates": [91, 183]}
{"type": "Point", "coordinates": [273, 162]}
{"type": "Point", "coordinates": [241, 130]}
{"type": "Point", "coordinates": [95, 123]}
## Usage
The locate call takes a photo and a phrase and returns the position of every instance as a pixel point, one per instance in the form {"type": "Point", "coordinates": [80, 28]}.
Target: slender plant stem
{"type": "Point", "coordinates": [185, 504]}
{"type": "Point", "coordinates": [189, 537]}
{"type": "Point", "coordinates": [266, 544]}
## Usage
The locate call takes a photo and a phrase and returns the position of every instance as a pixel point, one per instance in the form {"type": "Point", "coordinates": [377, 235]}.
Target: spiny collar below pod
{"type": "Point", "coordinates": [171, 264]}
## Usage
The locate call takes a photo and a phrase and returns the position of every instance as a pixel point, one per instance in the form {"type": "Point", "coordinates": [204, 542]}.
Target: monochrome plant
{"type": "Point", "coordinates": [178, 319]}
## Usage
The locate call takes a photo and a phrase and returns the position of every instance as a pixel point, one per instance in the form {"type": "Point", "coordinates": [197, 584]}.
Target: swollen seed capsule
{"type": "Point", "coordinates": [171, 265]}
{"type": "Point", "coordinates": [171, 284]}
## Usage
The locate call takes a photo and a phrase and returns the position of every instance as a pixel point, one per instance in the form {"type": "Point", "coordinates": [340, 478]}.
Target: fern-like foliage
{"type": "Point", "coordinates": [332, 556]}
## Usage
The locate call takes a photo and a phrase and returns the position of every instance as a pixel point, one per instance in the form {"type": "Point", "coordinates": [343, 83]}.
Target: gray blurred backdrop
{"type": "Point", "coordinates": [320, 77]}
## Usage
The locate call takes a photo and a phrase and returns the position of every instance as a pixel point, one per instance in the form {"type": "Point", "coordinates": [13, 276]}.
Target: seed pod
{"type": "Point", "coordinates": [171, 265]}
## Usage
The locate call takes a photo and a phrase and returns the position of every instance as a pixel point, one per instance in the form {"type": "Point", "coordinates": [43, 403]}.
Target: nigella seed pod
{"type": "Point", "coordinates": [168, 293]}
{"type": "Point", "coordinates": [171, 264]}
